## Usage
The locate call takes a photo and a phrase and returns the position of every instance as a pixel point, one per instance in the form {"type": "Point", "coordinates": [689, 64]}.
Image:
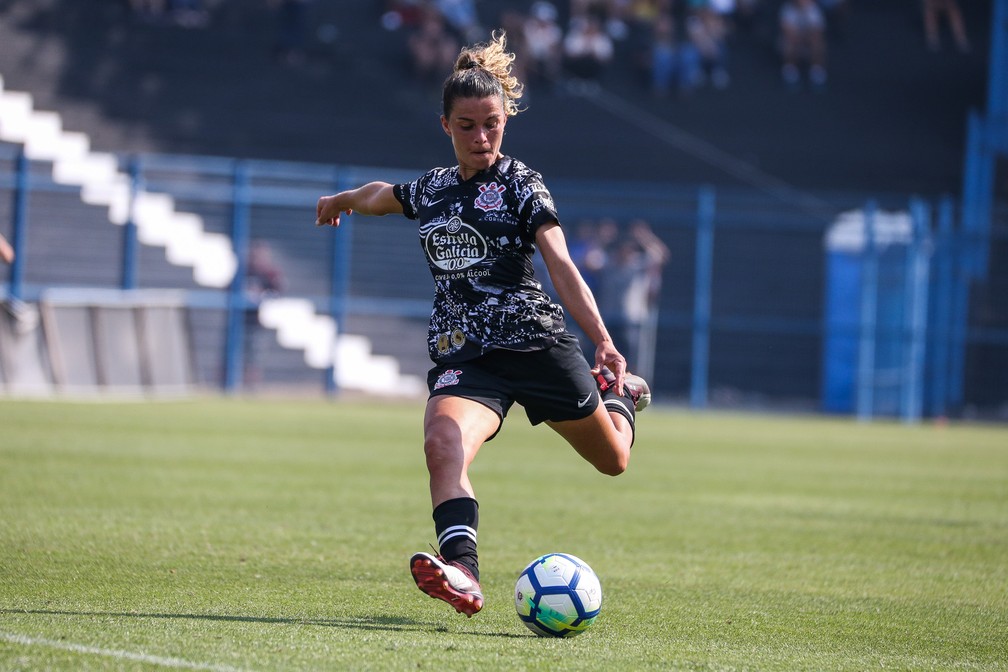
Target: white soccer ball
{"type": "Point", "coordinates": [558, 595]}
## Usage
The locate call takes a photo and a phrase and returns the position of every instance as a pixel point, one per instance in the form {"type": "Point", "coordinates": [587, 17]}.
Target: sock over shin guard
{"type": "Point", "coordinates": [624, 405]}
{"type": "Point", "coordinates": [455, 522]}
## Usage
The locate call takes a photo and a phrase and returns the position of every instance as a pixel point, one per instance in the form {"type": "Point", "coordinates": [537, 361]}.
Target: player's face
{"type": "Point", "coordinates": [476, 127]}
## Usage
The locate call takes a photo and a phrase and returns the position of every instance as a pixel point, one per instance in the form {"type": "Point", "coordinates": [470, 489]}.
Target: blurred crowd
{"type": "Point", "coordinates": [622, 262]}
{"type": "Point", "coordinates": [623, 266]}
{"type": "Point", "coordinates": [185, 13]}
{"type": "Point", "coordinates": [675, 46]}
{"type": "Point", "coordinates": [292, 26]}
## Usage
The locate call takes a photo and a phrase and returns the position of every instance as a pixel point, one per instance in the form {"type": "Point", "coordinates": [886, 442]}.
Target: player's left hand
{"type": "Point", "coordinates": [607, 355]}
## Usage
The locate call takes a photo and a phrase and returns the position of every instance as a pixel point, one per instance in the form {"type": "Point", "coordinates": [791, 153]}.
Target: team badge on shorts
{"type": "Point", "coordinates": [449, 377]}
{"type": "Point", "coordinates": [490, 197]}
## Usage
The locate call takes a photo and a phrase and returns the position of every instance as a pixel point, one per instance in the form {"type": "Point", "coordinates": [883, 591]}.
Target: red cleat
{"type": "Point", "coordinates": [634, 386]}
{"type": "Point", "coordinates": [448, 581]}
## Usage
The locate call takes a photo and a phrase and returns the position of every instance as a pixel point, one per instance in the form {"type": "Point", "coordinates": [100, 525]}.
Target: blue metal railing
{"type": "Point", "coordinates": [868, 337]}
{"type": "Point", "coordinates": [372, 272]}
{"type": "Point", "coordinates": [702, 297]}
{"type": "Point", "coordinates": [19, 223]}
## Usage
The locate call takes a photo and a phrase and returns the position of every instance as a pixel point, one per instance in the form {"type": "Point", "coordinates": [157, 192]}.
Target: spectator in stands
{"type": "Point", "coordinates": [618, 16]}
{"type": "Point", "coordinates": [511, 20]}
{"type": "Point", "coordinates": [933, 11]}
{"type": "Point", "coordinates": [629, 286]}
{"type": "Point", "coordinates": [581, 8]}
{"type": "Point", "coordinates": [589, 248]}
{"type": "Point", "coordinates": [433, 49]}
{"type": "Point", "coordinates": [403, 13]}
{"type": "Point", "coordinates": [665, 67]}
{"type": "Point", "coordinates": [723, 8]}
{"type": "Point", "coordinates": [495, 337]}
{"type": "Point", "coordinates": [640, 17]}
{"type": "Point", "coordinates": [543, 44]}
{"type": "Point", "coordinates": [646, 12]}
{"type": "Point", "coordinates": [263, 278]}
{"type": "Point", "coordinates": [613, 15]}
{"type": "Point", "coordinates": [708, 35]}
{"type": "Point", "coordinates": [802, 42]}
{"type": "Point", "coordinates": [6, 251]}
{"type": "Point", "coordinates": [588, 50]}
{"type": "Point", "coordinates": [463, 18]}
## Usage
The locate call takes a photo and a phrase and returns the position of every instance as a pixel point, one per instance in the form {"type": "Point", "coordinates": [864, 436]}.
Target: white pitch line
{"type": "Point", "coordinates": [114, 653]}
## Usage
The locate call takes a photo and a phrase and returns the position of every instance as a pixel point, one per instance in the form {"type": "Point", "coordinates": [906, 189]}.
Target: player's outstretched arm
{"type": "Point", "coordinates": [6, 251]}
{"type": "Point", "coordinates": [374, 198]}
{"type": "Point", "coordinates": [577, 298]}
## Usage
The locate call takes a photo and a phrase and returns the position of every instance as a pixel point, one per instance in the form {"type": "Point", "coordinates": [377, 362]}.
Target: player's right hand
{"type": "Point", "coordinates": [328, 211]}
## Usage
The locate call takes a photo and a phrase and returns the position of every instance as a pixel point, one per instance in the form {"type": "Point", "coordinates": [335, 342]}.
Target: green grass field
{"type": "Point", "coordinates": [231, 534]}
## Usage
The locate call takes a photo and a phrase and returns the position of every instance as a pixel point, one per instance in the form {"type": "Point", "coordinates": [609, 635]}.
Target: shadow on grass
{"type": "Point", "coordinates": [375, 623]}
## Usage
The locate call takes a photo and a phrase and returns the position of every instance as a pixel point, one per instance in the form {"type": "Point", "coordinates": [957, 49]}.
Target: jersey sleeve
{"type": "Point", "coordinates": [537, 206]}
{"type": "Point", "coordinates": [408, 194]}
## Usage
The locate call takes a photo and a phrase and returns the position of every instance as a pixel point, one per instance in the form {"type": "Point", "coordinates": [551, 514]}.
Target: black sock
{"type": "Point", "coordinates": [455, 522]}
{"type": "Point", "coordinates": [624, 405]}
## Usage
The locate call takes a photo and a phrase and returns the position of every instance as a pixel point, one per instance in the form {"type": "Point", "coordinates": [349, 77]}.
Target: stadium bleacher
{"type": "Point", "coordinates": [891, 119]}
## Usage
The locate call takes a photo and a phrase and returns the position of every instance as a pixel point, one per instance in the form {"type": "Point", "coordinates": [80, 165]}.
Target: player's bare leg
{"type": "Point", "coordinates": [605, 437]}
{"type": "Point", "coordinates": [454, 430]}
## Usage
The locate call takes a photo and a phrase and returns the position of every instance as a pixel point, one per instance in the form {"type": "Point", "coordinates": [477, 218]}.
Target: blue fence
{"type": "Point", "coordinates": [847, 303]}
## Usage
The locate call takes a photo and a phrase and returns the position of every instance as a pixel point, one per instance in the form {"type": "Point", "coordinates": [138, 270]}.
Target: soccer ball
{"type": "Point", "coordinates": [558, 595]}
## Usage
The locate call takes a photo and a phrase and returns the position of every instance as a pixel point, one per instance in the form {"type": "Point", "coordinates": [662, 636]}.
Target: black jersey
{"type": "Point", "coordinates": [479, 237]}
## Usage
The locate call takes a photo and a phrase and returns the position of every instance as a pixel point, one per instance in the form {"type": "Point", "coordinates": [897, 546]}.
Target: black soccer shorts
{"type": "Point", "coordinates": [553, 384]}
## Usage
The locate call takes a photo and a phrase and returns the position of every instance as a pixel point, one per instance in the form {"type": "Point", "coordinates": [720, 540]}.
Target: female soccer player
{"type": "Point", "coordinates": [495, 337]}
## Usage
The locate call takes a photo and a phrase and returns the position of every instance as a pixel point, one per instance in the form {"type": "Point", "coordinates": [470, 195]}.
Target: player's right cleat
{"type": "Point", "coordinates": [634, 386]}
{"type": "Point", "coordinates": [448, 581]}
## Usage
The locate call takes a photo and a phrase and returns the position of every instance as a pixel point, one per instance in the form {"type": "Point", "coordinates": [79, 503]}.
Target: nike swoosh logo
{"type": "Point", "coordinates": [584, 402]}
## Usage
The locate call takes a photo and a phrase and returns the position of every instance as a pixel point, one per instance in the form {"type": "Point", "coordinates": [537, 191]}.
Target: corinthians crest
{"type": "Point", "coordinates": [449, 377]}
{"type": "Point", "coordinates": [490, 197]}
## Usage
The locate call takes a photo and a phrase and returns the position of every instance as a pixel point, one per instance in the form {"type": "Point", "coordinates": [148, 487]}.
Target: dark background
{"type": "Point", "coordinates": [891, 119]}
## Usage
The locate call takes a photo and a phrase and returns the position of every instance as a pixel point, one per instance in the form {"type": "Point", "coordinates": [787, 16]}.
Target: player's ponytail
{"type": "Point", "coordinates": [481, 71]}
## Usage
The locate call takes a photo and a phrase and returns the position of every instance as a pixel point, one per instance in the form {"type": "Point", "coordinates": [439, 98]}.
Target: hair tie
{"type": "Point", "coordinates": [469, 64]}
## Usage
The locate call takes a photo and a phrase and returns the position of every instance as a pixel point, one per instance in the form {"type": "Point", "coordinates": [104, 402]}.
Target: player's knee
{"type": "Point", "coordinates": [614, 464]}
{"type": "Point", "coordinates": [441, 449]}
